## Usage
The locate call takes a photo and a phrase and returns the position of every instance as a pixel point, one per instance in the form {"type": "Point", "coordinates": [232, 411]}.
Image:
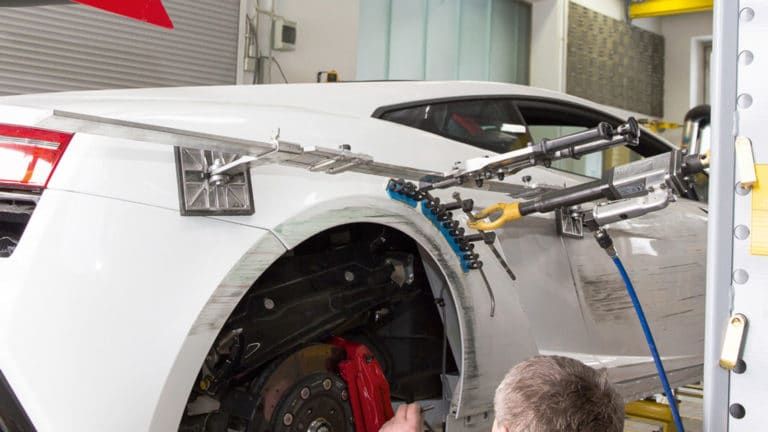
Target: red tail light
{"type": "Point", "coordinates": [29, 155]}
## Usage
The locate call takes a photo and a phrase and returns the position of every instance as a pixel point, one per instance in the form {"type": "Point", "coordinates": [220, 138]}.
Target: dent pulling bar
{"type": "Point", "coordinates": [631, 190]}
{"type": "Point", "coordinates": [336, 161]}
{"type": "Point", "coordinates": [319, 159]}
{"type": "Point", "coordinates": [544, 152]}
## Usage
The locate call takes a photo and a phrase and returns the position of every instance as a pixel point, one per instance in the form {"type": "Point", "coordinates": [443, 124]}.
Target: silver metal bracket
{"type": "Point", "coordinates": [213, 182]}
{"type": "Point", "coordinates": [570, 223]}
{"type": "Point", "coordinates": [630, 208]}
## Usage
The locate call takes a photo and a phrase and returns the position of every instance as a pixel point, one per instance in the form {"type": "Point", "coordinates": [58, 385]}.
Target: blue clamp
{"type": "Point", "coordinates": [444, 231]}
{"type": "Point", "coordinates": [397, 196]}
{"type": "Point", "coordinates": [405, 192]}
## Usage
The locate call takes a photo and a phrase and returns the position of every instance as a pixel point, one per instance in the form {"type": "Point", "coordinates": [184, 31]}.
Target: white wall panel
{"type": "Point", "coordinates": [326, 39]}
{"type": "Point", "coordinates": [510, 40]}
{"type": "Point", "coordinates": [444, 39]}
{"type": "Point", "coordinates": [474, 49]}
{"type": "Point", "coordinates": [373, 39]}
{"type": "Point", "coordinates": [407, 39]}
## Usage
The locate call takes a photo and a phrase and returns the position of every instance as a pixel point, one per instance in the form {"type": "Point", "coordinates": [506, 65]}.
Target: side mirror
{"type": "Point", "coordinates": [697, 141]}
{"type": "Point", "coordinates": [696, 130]}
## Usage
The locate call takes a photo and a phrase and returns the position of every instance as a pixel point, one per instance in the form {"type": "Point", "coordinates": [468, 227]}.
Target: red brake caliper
{"type": "Point", "coordinates": [368, 388]}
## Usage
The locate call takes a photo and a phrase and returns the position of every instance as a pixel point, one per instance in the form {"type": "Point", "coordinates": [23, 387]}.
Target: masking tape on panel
{"type": "Point", "coordinates": [760, 212]}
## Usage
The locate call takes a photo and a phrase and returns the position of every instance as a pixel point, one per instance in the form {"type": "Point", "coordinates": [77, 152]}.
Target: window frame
{"type": "Point", "coordinates": [380, 112]}
{"type": "Point", "coordinates": [656, 145]}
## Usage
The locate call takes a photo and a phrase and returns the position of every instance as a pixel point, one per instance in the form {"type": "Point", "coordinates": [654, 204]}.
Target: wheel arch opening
{"type": "Point", "coordinates": [366, 282]}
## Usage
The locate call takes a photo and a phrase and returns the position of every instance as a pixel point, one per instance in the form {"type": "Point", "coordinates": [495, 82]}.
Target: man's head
{"type": "Point", "coordinates": [553, 393]}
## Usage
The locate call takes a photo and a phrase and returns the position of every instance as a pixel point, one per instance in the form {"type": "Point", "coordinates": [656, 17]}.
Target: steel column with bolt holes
{"type": "Point", "coordinates": [737, 267]}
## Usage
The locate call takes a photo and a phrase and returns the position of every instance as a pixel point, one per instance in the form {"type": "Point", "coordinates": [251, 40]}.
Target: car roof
{"type": "Point", "coordinates": [350, 99]}
{"type": "Point", "coordinates": [358, 99]}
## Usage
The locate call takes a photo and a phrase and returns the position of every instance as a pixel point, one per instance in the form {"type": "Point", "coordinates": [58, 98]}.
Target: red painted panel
{"type": "Point", "coordinates": [151, 11]}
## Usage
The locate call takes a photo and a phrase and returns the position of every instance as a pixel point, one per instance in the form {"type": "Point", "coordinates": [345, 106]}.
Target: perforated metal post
{"type": "Point", "coordinates": [737, 275]}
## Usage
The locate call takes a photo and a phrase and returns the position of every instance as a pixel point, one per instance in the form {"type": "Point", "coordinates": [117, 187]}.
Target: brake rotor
{"type": "Point", "coordinates": [303, 393]}
{"type": "Point", "coordinates": [317, 403]}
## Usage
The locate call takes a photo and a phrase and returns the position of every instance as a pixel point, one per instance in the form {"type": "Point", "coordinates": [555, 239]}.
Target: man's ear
{"type": "Point", "coordinates": [498, 427]}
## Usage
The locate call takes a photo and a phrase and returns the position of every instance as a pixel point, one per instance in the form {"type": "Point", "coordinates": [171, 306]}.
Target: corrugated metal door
{"type": "Point", "coordinates": [74, 47]}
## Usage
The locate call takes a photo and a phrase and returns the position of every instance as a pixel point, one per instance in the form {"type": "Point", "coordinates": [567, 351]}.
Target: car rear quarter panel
{"type": "Point", "coordinates": [664, 254]}
{"type": "Point", "coordinates": [96, 302]}
{"type": "Point", "coordinates": [133, 294]}
{"type": "Point", "coordinates": [125, 188]}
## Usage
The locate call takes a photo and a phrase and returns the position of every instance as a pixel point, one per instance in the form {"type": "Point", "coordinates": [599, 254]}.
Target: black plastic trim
{"type": "Point", "coordinates": [380, 111]}
{"type": "Point", "coordinates": [13, 418]}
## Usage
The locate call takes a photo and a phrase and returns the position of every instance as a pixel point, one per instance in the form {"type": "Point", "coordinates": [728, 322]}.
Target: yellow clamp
{"type": "Point", "coordinates": [509, 212]}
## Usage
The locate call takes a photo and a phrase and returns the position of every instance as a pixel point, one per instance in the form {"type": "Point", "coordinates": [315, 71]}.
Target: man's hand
{"type": "Point", "coordinates": [406, 419]}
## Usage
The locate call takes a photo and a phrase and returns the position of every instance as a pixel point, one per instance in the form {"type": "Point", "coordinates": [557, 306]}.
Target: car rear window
{"type": "Point", "coordinates": [493, 125]}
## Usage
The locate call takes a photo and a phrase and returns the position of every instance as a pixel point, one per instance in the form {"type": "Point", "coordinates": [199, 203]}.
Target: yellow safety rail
{"type": "Point", "coordinates": [652, 8]}
{"type": "Point", "coordinates": [649, 410]}
{"type": "Point", "coordinates": [658, 125]}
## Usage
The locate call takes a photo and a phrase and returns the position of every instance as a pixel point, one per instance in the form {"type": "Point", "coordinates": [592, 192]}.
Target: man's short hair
{"type": "Point", "coordinates": [553, 393]}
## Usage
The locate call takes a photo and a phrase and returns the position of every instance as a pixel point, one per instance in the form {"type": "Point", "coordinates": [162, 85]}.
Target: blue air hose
{"type": "Point", "coordinates": [651, 342]}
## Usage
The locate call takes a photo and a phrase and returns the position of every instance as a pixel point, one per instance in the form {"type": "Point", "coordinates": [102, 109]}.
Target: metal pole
{"type": "Point", "coordinates": [721, 199]}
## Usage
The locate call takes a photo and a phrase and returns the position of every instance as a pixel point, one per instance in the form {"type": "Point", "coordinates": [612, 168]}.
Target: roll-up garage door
{"type": "Point", "coordinates": [73, 47]}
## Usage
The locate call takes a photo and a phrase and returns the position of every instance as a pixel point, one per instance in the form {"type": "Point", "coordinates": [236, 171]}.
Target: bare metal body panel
{"type": "Point", "coordinates": [567, 298]}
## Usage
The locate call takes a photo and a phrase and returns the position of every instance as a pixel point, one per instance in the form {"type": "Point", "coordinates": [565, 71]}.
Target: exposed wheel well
{"type": "Point", "coordinates": [364, 282]}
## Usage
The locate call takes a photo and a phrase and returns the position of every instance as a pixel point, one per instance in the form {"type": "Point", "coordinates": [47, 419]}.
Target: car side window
{"type": "Point", "coordinates": [489, 124]}
{"type": "Point", "coordinates": [548, 120]}
{"type": "Point", "coordinates": [589, 165]}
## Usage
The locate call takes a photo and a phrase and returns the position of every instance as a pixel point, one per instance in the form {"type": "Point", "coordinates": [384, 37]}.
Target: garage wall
{"type": "Point", "coordinates": [614, 63]}
{"type": "Point", "coordinates": [549, 42]}
{"type": "Point", "coordinates": [326, 39]}
{"type": "Point", "coordinates": [549, 24]}
{"type": "Point", "coordinates": [74, 47]}
{"type": "Point", "coordinates": [678, 31]}
{"type": "Point", "coordinates": [616, 9]}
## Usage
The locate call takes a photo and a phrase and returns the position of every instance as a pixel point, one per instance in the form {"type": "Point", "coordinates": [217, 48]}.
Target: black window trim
{"type": "Point", "coordinates": [386, 109]}
{"type": "Point", "coordinates": [399, 107]}
{"type": "Point", "coordinates": [658, 146]}
{"type": "Point", "coordinates": [10, 408]}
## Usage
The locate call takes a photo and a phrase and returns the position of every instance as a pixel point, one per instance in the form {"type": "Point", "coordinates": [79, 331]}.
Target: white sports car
{"type": "Point", "coordinates": [150, 282]}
